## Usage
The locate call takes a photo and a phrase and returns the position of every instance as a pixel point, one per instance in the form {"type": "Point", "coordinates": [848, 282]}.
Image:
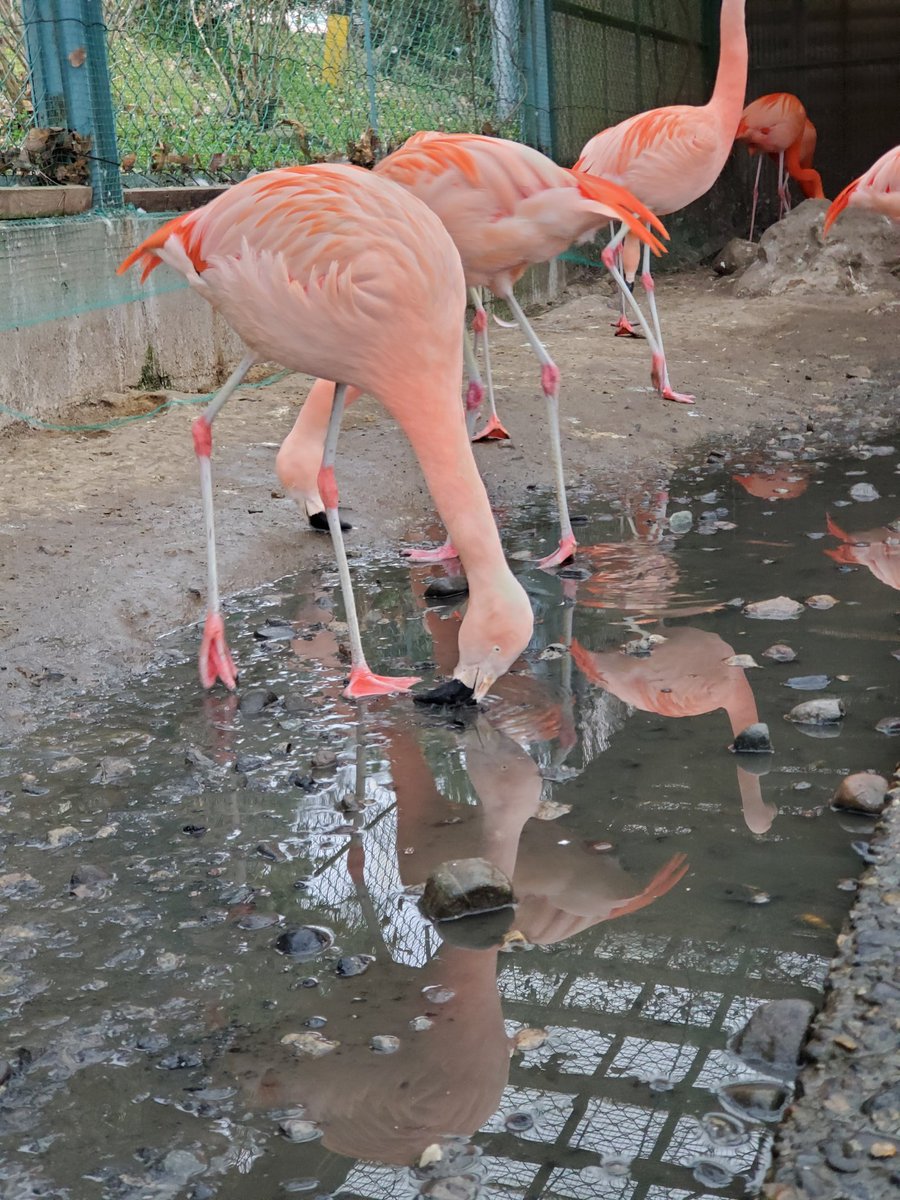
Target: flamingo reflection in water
{"type": "Point", "coordinates": [876, 549]}
{"type": "Point", "coordinates": [451, 1062]}
{"type": "Point", "coordinates": [685, 676]}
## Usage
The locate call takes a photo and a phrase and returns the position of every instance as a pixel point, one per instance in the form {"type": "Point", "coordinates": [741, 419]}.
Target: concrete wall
{"type": "Point", "coordinates": [71, 330]}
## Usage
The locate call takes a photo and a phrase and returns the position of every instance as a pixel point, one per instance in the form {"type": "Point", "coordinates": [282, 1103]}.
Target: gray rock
{"type": "Point", "coordinates": [780, 653]}
{"type": "Point", "coordinates": [827, 711]}
{"type": "Point", "coordinates": [864, 493]}
{"type": "Point", "coordinates": [760, 1100]}
{"type": "Point", "coordinates": [385, 1043]}
{"type": "Point", "coordinates": [862, 792]}
{"type": "Point", "coordinates": [774, 1035]}
{"type": "Point", "coordinates": [808, 683]}
{"type": "Point", "coordinates": [753, 740]}
{"type": "Point", "coordinates": [353, 964]}
{"type": "Point", "coordinates": [304, 943]}
{"type": "Point", "coordinates": [113, 770]}
{"type": "Point", "coordinates": [782, 608]}
{"type": "Point", "coordinates": [87, 880]}
{"type": "Point", "coordinates": [464, 886]}
{"type": "Point", "coordinates": [257, 701]}
{"type": "Point", "coordinates": [296, 1130]}
{"type": "Point", "coordinates": [736, 255]}
{"type": "Point", "coordinates": [890, 726]}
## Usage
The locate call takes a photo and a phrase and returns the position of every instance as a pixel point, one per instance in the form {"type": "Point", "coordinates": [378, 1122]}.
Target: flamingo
{"type": "Point", "coordinates": [686, 675]}
{"type": "Point", "coordinates": [878, 190]}
{"type": "Point", "coordinates": [670, 157]}
{"type": "Point", "coordinates": [506, 206]}
{"type": "Point", "coordinates": [335, 272]}
{"type": "Point", "coordinates": [777, 125]}
{"type": "Point", "coordinates": [876, 549]}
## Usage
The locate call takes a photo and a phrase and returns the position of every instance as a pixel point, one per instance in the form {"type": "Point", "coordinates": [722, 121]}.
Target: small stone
{"type": "Point", "coordinates": [113, 770]}
{"type": "Point", "coordinates": [463, 886]}
{"type": "Point", "coordinates": [890, 726]}
{"type": "Point", "coordinates": [65, 835]}
{"type": "Point", "coordinates": [551, 810]}
{"type": "Point", "coordinates": [420, 1024]}
{"type": "Point", "coordinates": [754, 739]}
{"type": "Point", "coordinates": [780, 653]}
{"type": "Point", "coordinates": [823, 603]}
{"type": "Point", "coordinates": [274, 629]}
{"type": "Point", "coordinates": [353, 964]}
{"type": "Point", "coordinates": [681, 522]}
{"type": "Point", "coordinates": [271, 851]}
{"type": "Point", "coordinates": [864, 493]}
{"type": "Point", "coordinates": [839, 1160]}
{"type": "Point", "coordinates": [430, 1155]}
{"type": "Point", "coordinates": [86, 879]}
{"type": "Point", "coordinates": [384, 1043]}
{"type": "Point", "coordinates": [759, 1100]}
{"type": "Point", "coordinates": [518, 1122]}
{"type": "Point", "coordinates": [311, 1045]}
{"type": "Point", "coordinates": [529, 1039]}
{"type": "Point", "coordinates": [553, 651]}
{"type": "Point", "coordinates": [846, 1042]}
{"type": "Point", "coordinates": [736, 255]}
{"type": "Point", "coordinates": [883, 1150]}
{"type": "Point", "coordinates": [775, 1033]}
{"type": "Point", "coordinates": [304, 943]}
{"type": "Point", "coordinates": [436, 993]}
{"type": "Point", "coordinates": [253, 921]}
{"type": "Point", "coordinates": [296, 1130]}
{"type": "Point", "coordinates": [256, 701]}
{"type": "Point", "coordinates": [447, 587]}
{"type": "Point", "coordinates": [782, 608]}
{"type": "Point", "coordinates": [862, 792]}
{"type": "Point", "coordinates": [244, 763]}
{"type": "Point", "coordinates": [72, 763]}
{"type": "Point", "coordinates": [183, 1060]}
{"type": "Point", "coordinates": [808, 683]}
{"type": "Point", "coordinates": [744, 661]}
{"type": "Point", "coordinates": [827, 711]}
{"type": "Point", "coordinates": [324, 758]}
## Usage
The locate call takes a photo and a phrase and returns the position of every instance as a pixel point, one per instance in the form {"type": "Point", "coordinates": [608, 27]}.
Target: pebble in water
{"type": "Point", "coordinates": [827, 711]}
{"type": "Point", "coordinates": [385, 1043]}
{"type": "Point", "coordinates": [861, 792]}
{"type": "Point", "coordinates": [519, 1122]}
{"type": "Point", "coordinates": [680, 522]}
{"type": "Point", "coordinates": [864, 493]}
{"type": "Point", "coordinates": [296, 1130]}
{"type": "Point", "coordinates": [713, 1172]}
{"type": "Point", "coordinates": [435, 993]}
{"type": "Point", "coordinates": [723, 1130]}
{"type": "Point", "coordinates": [782, 608]}
{"type": "Point", "coordinates": [823, 603]}
{"type": "Point", "coordinates": [890, 726]}
{"type": "Point", "coordinates": [304, 943]}
{"type": "Point", "coordinates": [780, 653]}
{"type": "Point", "coordinates": [759, 1100]}
{"type": "Point", "coordinates": [754, 739]}
{"type": "Point", "coordinates": [808, 683]}
{"type": "Point", "coordinates": [310, 1045]}
{"type": "Point", "coordinates": [353, 964]}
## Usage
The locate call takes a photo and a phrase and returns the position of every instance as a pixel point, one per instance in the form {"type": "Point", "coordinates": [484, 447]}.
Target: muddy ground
{"type": "Point", "coordinates": [101, 541]}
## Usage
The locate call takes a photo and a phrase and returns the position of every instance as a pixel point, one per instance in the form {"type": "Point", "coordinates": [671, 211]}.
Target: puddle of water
{"type": "Point", "coordinates": [158, 843]}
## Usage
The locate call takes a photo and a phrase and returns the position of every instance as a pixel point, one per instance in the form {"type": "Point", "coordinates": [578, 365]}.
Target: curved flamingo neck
{"type": "Point", "coordinates": [731, 79]}
{"type": "Point", "coordinates": [809, 179]}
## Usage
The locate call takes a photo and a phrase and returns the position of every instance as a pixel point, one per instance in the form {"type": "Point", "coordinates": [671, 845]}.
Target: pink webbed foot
{"type": "Point", "coordinates": [363, 683]}
{"type": "Point", "coordinates": [624, 328]}
{"type": "Point", "coordinates": [215, 658]}
{"type": "Point", "coordinates": [438, 554]}
{"type": "Point", "coordinates": [493, 431]}
{"type": "Point", "coordinates": [564, 552]}
{"type": "Point", "coordinates": [678, 397]}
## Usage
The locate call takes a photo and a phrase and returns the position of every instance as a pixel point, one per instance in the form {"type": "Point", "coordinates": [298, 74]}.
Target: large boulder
{"type": "Point", "coordinates": [861, 254]}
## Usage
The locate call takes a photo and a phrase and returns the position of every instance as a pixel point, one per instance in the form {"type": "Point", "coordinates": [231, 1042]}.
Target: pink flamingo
{"type": "Point", "coordinates": [506, 206]}
{"type": "Point", "coordinates": [878, 190]}
{"type": "Point", "coordinates": [686, 675]}
{"type": "Point", "coordinates": [876, 549]}
{"type": "Point", "coordinates": [670, 157]}
{"type": "Point", "coordinates": [777, 125]}
{"type": "Point", "coordinates": [334, 272]}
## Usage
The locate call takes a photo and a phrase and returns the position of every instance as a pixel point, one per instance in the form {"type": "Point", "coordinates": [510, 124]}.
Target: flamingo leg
{"type": "Point", "coordinates": [550, 386]}
{"type": "Point", "coordinates": [362, 681]}
{"type": "Point", "coordinates": [475, 390]}
{"type": "Point", "coordinates": [660, 368]}
{"type": "Point", "coordinates": [215, 660]}
{"type": "Point", "coordinates": [626, 290]}
{"type": "Point", "coordinates": [784, 200]}
{"type": "Point", "coordinates": [755, 197]}
{"type": "Point", "coordinates": [494, 430]}
{"type": "Point", "coordinates": [623, 327]}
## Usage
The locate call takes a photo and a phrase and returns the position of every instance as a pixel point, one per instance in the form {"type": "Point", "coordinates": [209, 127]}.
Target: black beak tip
{"type": "Point", "coordinates": [453, 693]}
{"type": "Point", "coordinates": [319, 522]}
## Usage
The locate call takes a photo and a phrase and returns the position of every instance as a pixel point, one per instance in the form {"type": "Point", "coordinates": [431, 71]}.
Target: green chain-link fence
{"type": "Point", "coordinates": [207, 90]}
{"type": "Point", "coordinates": [216, 87]}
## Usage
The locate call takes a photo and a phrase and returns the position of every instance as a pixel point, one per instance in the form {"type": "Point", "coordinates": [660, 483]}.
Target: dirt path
{"type": "Point", "coordinates": [101, 545]}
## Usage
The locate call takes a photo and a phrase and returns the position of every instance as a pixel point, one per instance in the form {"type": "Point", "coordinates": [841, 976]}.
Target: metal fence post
{"type": "Point", "coordinates": [538, 116]}
{"type": "Point", "coordinates": [66, 45]}
{"type": "Point", "coordinates": [370, 64]}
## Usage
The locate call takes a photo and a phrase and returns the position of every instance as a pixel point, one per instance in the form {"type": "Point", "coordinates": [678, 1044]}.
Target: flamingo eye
{"type": "Point", "coordinates": [496, 649]}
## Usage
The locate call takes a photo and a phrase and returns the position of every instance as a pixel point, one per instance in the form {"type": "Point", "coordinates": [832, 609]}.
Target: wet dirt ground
{"type": "Point", "coordinates": [101, 546]}
{"type": "Point", "coordinates": [158, 844]}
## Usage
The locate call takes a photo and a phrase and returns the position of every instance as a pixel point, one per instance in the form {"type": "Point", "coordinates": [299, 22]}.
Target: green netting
{"type": "Point", "coordinates": [214, 88]}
